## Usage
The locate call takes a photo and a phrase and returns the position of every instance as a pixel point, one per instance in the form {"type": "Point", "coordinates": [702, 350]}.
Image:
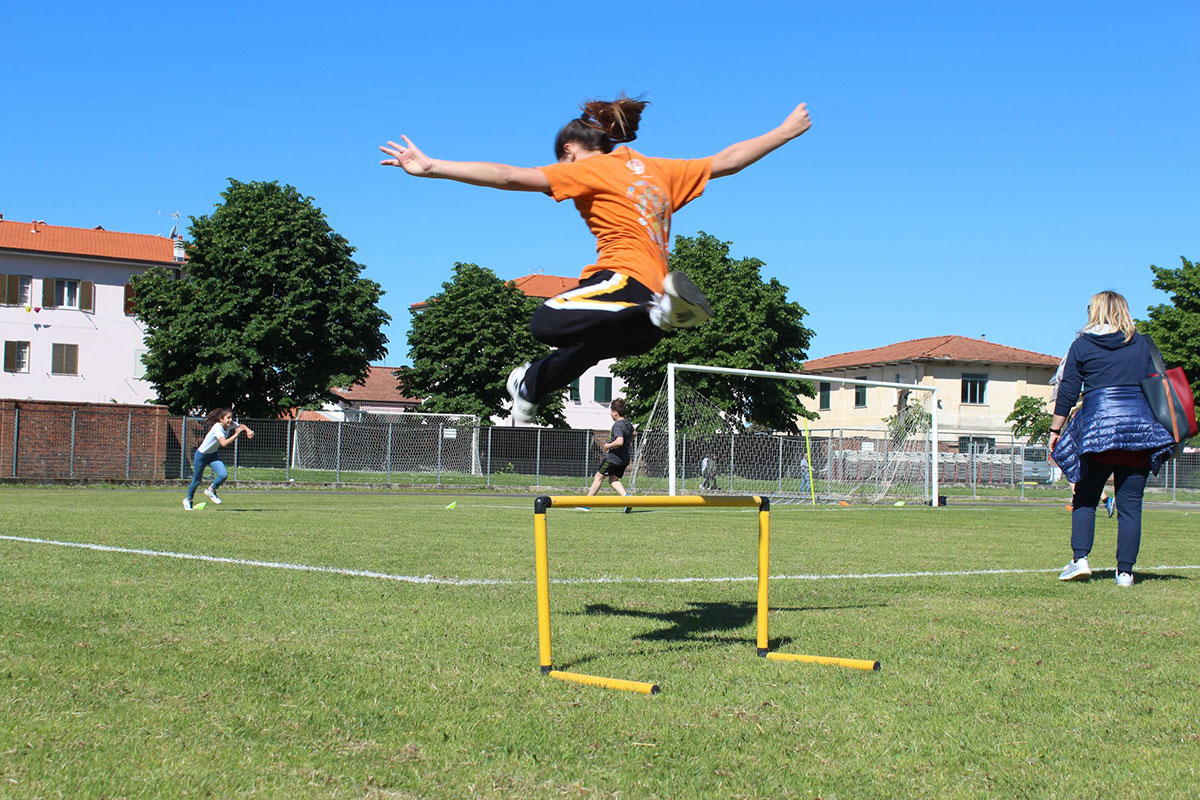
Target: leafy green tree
{"type": "Point", "coordinates": [1176, 327]}
{"type": "Point", "coordinates": [1031, 419]}
{"type": "Point", "coordinates": [754, 326]}
{"type": "Point", "coordinates": [465, 341]}
{"type": "Point", "coordinates": [910, 417]}
{"type": "Point", "coordinates": [269, 313]}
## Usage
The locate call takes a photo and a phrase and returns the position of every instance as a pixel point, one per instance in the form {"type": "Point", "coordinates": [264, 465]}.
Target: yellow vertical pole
{"type": "Point", "coordinates": [540, 547]}
{"type": "Point", "coordinates": [764, 561]}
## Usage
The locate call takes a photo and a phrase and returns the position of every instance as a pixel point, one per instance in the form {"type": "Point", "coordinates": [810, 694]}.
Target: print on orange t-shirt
{"type": "Point", "coordinates": [627, 200]}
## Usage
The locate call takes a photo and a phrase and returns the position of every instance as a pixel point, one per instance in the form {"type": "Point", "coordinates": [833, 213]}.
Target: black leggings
{"type": "Point", "coordinates": [607, 316]}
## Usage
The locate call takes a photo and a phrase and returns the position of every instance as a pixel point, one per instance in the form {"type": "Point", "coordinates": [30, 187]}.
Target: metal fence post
{"type": "Point", "coordinates": [441, 438]}
{"type": "Point", "coordinates": [182, 445]}
{"type": "Point", "coordinates": [73, 413]}
{"type": "Point", "coordinates": [780, 465]}
{"type": "Point", "coordinates": [338, 467]}
{"type": "Point", "coordinates": [731, 461]}
{"type": "Point", "coordinates": [587, 435]}
{"type": "Point", "coordinates": [389, 453]}
{"type": "Point", "coordinates": [537, 478]}
{"type": "Point", "coordinates": [1174, 477]}
{"type": "Point", "coordinates": [16, 438]}
{"type": "Point", "coordinates": [287, 452]}
{"type": "Point", "coordinates": [128, 438]}
{"type": "Point", "coordinates": [489, 458]}
{"type": "Point", "coordinates": [235, 457]}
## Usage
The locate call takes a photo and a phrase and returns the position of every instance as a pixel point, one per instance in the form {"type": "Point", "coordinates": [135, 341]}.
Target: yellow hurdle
{"type": "Point", "coordinates": [542, 566]}
{"type": "Point", "coordinates": [851, 663]}
{"type": "Point", "coordinates": [608, 683]}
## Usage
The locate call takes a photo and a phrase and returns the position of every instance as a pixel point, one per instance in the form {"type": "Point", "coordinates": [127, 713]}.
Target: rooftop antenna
{"type": "Point", "coordinates": [175, 227]}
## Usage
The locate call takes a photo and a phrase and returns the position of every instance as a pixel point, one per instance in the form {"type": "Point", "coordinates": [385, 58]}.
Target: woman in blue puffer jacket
{"type": "Point", "coordinates": [1114, 433]}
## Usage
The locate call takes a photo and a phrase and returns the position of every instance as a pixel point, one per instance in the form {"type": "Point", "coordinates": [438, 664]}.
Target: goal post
{"type": "Point", "coordinates": [885, 459]}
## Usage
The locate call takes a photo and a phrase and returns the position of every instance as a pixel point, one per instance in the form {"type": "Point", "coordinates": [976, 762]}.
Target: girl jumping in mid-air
{"type": "Point", "coordinates": [627, 299]}
{"type": "Point", "coordinates": [220, 433]}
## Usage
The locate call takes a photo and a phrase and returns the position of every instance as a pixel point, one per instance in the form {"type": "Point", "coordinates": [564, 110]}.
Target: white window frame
{"type": "Point", "coordinates": [62, 293]}
{"type": "Point", "coordinates": [969, 383]}
{"type": "Point", "coordinates": [22, 358]}
{"type": "Point", "coordinates": [24, 291]}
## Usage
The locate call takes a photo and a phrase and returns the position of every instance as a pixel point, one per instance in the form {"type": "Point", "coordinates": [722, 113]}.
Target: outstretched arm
{"type": "Point", "coordinates": [738, 156]}
{"type": "Point", "coordinates": [479, 173]}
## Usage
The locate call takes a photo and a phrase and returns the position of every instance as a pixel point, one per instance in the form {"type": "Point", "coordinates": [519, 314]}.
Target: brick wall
{"type": "Point", "coordinates": [82, 440]}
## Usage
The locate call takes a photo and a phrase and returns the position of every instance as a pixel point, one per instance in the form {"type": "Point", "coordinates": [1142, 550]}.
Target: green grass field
{"type": "Point", "coordinates": [130, 674]}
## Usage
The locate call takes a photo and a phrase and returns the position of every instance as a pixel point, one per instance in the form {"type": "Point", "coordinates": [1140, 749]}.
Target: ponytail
{"type": "Point", "coordinates": [602, 125]}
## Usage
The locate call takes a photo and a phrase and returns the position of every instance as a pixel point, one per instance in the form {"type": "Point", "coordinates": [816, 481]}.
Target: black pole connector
{"type": "Point", "coordinates": [764, 504]}
{"type": "Point", "coordinates": [541, 504]}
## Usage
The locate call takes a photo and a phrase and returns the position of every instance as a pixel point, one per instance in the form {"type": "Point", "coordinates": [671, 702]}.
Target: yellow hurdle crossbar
{"type": "Point", "coordinates": [542, 565]}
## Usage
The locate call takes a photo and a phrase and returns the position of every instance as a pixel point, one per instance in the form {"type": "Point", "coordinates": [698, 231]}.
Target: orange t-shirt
{"type": "Point", "coordinates": [627, 200]}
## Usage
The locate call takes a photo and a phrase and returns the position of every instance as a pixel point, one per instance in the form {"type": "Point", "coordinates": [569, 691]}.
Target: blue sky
{"type": "Point", "coordinates": [973, 168]}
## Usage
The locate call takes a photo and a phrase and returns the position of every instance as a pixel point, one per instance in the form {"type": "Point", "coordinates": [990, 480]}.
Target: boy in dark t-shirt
{"type": "Point", "coordinates": [616, 456]}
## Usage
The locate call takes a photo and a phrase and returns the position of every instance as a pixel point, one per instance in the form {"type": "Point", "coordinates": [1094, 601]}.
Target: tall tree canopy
{"type": "Point", "coordinates": [754, 326]}
{"type": "Point", "coordinates": [1176, 327]}
{"type": "Point", "coordinates": [465, 341]}
{"type": "Point", "coordinates": [269, 313]}
{"type": "Point", "coordinates": [1031, 419]}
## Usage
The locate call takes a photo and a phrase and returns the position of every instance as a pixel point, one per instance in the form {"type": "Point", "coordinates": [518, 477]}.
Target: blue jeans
{"type": "Point", "coordinates": [1131, 484]}
{"type": "Point", "coordinates": [203, 460]}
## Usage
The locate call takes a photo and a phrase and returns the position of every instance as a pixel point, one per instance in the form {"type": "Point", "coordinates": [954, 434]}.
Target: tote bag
{"type": "Point", "coordinates": [1170, 397]}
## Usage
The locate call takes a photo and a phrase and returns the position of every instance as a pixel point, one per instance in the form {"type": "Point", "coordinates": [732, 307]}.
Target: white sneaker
{"type": "Point", "coordinates": [1124, 579]}
{"type": "Point", "coordinates": [187, 504]}
{"type": "Point", "coordinates": [212, 495]}
{"type": "Point", "coordinates": [1076, 570]}
{"type": "Point", "coordinates": [681, 305]}
{"type": "Point", "coordinates": [523, 411]}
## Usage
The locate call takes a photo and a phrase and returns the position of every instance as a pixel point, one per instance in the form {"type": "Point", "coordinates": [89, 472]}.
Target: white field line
{"type": "Point", "coordinates": [430, 579]}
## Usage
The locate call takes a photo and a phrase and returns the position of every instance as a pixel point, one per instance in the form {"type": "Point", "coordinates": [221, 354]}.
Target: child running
{"type": "Point", "coordinates": [616, 452]}
{"type": "Point", "coordinates": [627, 299]}
{"type": "Point", "coordinates": [208, 454]}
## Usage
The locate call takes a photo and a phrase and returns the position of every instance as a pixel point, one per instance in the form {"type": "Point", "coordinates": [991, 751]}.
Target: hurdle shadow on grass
{"type": "Point", "coordinates": [702, 623]}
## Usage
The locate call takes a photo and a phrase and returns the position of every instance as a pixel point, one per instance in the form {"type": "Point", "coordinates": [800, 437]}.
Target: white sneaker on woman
{"type": "Point", "coordinates": [1076, 570]}
{"type": "Point", "coordinates": [1124, 579]}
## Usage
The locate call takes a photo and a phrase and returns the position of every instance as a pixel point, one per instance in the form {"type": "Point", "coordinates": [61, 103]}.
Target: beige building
{"type": "Point", "coordinates": [977, 383]}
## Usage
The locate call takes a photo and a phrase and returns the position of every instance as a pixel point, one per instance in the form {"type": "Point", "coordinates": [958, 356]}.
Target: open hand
{"type": "Point", "coordinates": [409, 158]}
{"type": "Point", "coordinates": [797, 122]}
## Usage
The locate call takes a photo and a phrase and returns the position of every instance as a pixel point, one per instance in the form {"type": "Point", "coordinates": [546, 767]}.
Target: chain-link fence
{"type": "Point", "coordinates": [414, 450]}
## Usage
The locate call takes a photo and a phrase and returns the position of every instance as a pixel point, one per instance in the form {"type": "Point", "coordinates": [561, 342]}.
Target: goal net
{"type": "Point", "coordinates": [386, 443]}
{"type": "Point", "coordinates": [690, 445]}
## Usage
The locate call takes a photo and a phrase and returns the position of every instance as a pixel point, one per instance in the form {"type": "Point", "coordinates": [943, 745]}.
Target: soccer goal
{"type": "Point", "coordinates": [691, 445]}
{"type": "Point", "coordinates": [387, 443]}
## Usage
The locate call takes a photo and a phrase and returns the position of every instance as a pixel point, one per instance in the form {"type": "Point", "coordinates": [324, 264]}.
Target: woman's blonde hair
{"type": "Point", "coordinates": [1110, 308]}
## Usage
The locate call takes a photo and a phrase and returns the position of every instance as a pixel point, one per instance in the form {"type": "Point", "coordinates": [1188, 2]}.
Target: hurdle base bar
{"type": "Point", "coordinates": [849, 663]}
{"type": "Point", "coordinates": [607, 683]}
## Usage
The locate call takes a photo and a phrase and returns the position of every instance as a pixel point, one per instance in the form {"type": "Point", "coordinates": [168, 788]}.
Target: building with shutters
{"type": "Point", "coordinates": [66, 315]}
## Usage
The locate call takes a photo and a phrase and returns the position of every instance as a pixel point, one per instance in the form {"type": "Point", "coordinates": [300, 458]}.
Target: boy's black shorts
{"type": "Point", "coordinates": [611, 470]}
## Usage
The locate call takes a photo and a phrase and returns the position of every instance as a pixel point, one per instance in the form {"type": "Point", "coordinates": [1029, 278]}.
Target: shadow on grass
{"type": "Point", "coordinates": [1140, 577]}
{"type": "Point", "coordinates": [701, 623]}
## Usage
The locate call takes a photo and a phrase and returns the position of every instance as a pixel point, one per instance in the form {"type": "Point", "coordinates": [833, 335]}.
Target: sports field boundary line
{"type": "Point", "coordinates": [432, 580]}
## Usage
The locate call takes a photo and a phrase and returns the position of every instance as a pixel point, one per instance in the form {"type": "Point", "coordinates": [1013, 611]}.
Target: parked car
{"type": "Point", "coordinates": [1036, 467]}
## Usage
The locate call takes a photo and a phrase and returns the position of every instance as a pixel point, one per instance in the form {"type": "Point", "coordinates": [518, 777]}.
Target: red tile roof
{"type": "Point", "coordinates": [544, 286]}
{"type": "Point", "coordinates": [380, 387]}
{"type": "Point", "coordinates": [92, 242]}
{"type": "Point", "coordinates": [934, 348]}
